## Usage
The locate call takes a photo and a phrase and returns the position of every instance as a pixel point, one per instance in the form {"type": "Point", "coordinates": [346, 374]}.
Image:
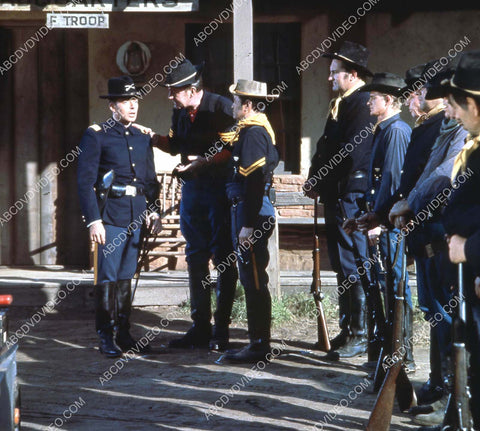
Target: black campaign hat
{"type": "Point", "coordinates": [412, 76]}
{"type": "Point", "coordinates": [184, 74]}
{"type": "Point", "coordinates": [439, 86]}
{"type": "Point", "coordinates": [385, 82]}
{"type": "Point", "coordinates": [352, 53]}
{"type": "Point", "coordinates": [122, 86]}
{"type": "Point", "coordinates": [467, 74]}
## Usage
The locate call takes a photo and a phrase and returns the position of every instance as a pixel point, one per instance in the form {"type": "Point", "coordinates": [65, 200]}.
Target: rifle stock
{"type": "Point", "coordinates": [394, 383]}
{"type": "Point", "coordinates": [323, 337]}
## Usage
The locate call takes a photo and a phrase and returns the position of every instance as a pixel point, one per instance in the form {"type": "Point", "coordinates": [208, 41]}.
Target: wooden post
{"type": "Point", "coordinates": [273, 268]}
{"type": "Point", "coordinates": [242, 40]}
{"type": "Point", "coordinates": [51, 107]}
{"type": "Point", "coordinates": [26, 190]}
{"type": "Point", "coordinates": [6, 152]}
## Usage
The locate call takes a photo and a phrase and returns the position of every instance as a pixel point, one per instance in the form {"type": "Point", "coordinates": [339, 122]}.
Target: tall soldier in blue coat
{"type": "Point", "coordinates": [339, 171]}
{"type": "Point", "coordinates": [114, 225]}
{"type": "Point", "coordinates": [254, 158]}
{"type": "Point", "coordinates": [198, 118]}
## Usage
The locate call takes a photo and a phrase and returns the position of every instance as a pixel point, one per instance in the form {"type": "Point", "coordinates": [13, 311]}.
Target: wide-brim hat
{"type": "Point", "coordinates": [385, 82]}
{"type": "Point", "coordinates": [121, 86]}
{"type": "Point", "coordinates": [413, 76]}
{"type": "Point", "coordinates": [439, 86]}
{"type": "Point", "coordinates": [466, 77]}
{"type": "Point", "coordinates": [184, 74]}
{"type": "Point", "coordinates": [254, 89]}
{"type": "Point", "coordinates": [353, 54]}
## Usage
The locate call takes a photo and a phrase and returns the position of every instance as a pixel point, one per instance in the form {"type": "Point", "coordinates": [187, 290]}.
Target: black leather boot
{"type": "Point", "coordinates": [225, 293]}
{"type": "Point", "coordinates": [433, 389]}
{"type": "Point", "coordinates": [124, 308]}
{"type": "Point", "coordinates": [357, 343]}
{"type": "Point", "coordinates": [344, 320]}
{"type": "Point", "coordinates": [256, 351]}
{"type": "Point", "coordinates": [198, 336]}
{"type": "Point", "coordinates": [104, 296]}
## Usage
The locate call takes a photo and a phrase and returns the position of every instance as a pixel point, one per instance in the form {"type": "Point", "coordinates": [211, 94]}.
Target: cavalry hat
{"type": "Point", "coordinates": [385, 82]}
{"type": "Point", "coordinates": [184, 74]}
{"type": "Point", "coordinates": [439, 86]}
{"type": "Point", "coordinates": [467, 74]}
{"type": "Point", "coordinates": [412, 76]}
{"type": "Point", "coordinates": [254, 89]}
{"type": "Point", "coordinates": [353, 54]}
{"type": "Point", "coordinates": [122, 86]}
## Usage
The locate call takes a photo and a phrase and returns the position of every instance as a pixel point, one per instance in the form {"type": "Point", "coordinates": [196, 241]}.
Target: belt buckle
{"type": "Point", "coordinates": [130, 191]}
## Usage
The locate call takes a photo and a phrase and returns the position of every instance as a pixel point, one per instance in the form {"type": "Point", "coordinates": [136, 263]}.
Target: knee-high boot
{"type": "Point", "coordinates": [104, 296]}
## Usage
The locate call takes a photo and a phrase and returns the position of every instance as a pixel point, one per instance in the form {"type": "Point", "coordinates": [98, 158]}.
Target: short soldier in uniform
{"type": "Point", "coordinates": [114, 225]}
{"type": "Point", "coordinates": [254, 157]}
{"type": "Point", "coordinates": [390, 141]}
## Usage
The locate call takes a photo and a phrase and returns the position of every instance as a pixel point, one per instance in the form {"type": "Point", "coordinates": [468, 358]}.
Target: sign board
{"type": "Point", "coordinates": [81, 6]}
{"type": "Point", "coordinates": [77, 20]}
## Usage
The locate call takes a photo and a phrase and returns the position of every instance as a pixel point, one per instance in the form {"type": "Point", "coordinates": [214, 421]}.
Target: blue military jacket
{"type": "Point", "coordinates": [418, 152]}
{"type": "Point", "coordinates": [390, 144]}
{"type": "Point", "coordinates": [351, 134]}
{"type": "Point", "coordinates": [128, 152]}
{"type": "Point", "coordinates": [254, 158]}
{"type": "Point", "coordinates": [461, 215]}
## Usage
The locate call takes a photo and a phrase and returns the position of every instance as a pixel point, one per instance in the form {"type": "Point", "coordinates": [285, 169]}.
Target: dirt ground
{"type": "Point", "coordinates": [67, 384]}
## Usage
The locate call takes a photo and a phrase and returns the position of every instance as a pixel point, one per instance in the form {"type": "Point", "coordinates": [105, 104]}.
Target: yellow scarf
{"type": "Point", "coordinates": [425, 117]}
{"type": "Point", "coordinates": [334, 103]}
{"type": "Point", "coordinates": [259, 119]}
{"type": "Point", "coordinates": [460, 163]}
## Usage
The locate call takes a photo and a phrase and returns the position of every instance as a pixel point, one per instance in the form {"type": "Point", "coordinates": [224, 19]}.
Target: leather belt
{"type": "Point", "coordinates": [117, 191]}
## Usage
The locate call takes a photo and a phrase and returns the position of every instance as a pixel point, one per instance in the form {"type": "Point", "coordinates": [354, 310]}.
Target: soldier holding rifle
{"type": "Point", "coordinates": [346, 132]}
{"type": "Point", "coordinates": [115, 225]}
{"type": "Point", "coordinates": [461, 216]}
{"type": "Point", "coordinates": [390, 141]}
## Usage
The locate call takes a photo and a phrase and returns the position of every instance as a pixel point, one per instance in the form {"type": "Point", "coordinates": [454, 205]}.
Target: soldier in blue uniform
{"type": "Point", "coordinates": [114, 225]}
{"type": "Point", "coordinates": [254, 158]}
{"type": "Point", "coordinates": [348, 136]}
{"type": "Point", "coordinates": [198, 118]}
{"type": "Point", "coordinates": [390, 141]}
{"type": "Point", "coordinates": [461, 215]}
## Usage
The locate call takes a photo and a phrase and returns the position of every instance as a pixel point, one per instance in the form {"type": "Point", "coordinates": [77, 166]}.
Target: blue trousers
{"type": "Point", "coordinates": [252, 265]}
{"type": "Point", "coordinates": [117, 259]}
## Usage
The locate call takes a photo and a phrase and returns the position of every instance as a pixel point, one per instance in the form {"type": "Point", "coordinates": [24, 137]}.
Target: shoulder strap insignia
{"type": "Point", "coordinates": [95, 127]}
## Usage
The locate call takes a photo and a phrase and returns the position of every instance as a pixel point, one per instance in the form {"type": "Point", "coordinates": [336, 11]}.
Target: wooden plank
{"type": "Point", "coordinates": [6, 150]}
{"type": "Point", "coordinates": [25, 88]}
{"type": "Point", "coordinates": [51, 110]}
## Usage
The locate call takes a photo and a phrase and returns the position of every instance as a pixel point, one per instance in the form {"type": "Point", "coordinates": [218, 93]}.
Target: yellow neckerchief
{"type": "Point", "coordinates": [385, 119]}
{"type": "Point", "coordinates": [258, 119]}
{"type": "Point", "coordinates": [430, 114]}
{"type": "Point", "coordinates": [334, 103]}
{"type": "Point", "coordinates": [460, 163]}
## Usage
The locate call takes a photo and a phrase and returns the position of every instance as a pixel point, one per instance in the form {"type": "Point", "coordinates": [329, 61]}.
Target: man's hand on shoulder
{"type": "Point", "coordinates": [144, 129]}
